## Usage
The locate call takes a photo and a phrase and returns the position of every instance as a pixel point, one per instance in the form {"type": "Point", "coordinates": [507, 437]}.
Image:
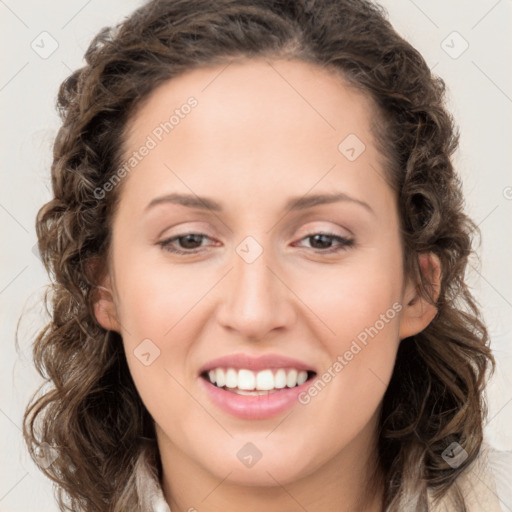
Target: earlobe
{"type": "Point", "coordinates": [419, 311]}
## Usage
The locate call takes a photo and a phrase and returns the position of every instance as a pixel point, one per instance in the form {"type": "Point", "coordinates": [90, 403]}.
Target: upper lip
{"type": "Point", "coordinates": [266, 361]}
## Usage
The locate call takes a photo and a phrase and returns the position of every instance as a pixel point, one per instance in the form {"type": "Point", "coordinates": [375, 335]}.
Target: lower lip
{"type": "Point", "coordinates": [256, 407]}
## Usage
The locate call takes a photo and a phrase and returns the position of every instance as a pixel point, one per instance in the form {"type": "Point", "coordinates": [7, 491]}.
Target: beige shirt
{"type": "Point", "coordinates": [486, 486]}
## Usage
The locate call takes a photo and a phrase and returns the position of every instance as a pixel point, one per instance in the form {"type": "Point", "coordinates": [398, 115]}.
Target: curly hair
{"type": "Point", "coordinates": [89, 409]}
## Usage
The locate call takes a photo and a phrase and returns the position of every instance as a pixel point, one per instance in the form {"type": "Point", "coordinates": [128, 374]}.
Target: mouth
{"type": "Point", "coordinates": [254, 388]}
{"type": "Point", "coordinates": [251, 383]}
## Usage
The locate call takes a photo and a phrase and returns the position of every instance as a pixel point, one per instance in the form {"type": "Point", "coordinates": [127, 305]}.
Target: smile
{"type": "Point", "coordinates": [254, 388]}
{"type": "Point", "coordinates": [248, 382]}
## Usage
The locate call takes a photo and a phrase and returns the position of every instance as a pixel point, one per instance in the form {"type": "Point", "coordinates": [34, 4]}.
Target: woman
{"type": "Point", "coordinates": [316, 346]}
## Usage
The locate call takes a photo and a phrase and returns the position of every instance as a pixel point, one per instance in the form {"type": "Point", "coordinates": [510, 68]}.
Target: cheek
{"type": "Point", "coordinates": [155, 297]}
{"type": "Point", "coordinates": [354, 295]}
{"type": "Point", "coordinates": [361, 305]}
{"type": "Point", "coordinates": [153, 307]}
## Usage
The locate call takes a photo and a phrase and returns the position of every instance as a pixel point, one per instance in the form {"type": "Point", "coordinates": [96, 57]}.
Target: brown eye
{"type": "Point", "coordinates": [188, 243]}
{"type": "Point", "coordinates": [323, 242]}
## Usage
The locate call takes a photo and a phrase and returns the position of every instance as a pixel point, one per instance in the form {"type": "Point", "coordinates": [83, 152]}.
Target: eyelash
{"type": "Point", "coordinates": [345, 243]}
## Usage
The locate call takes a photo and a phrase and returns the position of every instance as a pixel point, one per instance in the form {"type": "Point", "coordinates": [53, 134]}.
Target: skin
{"type": "Point", "coordinates": [262, 132]}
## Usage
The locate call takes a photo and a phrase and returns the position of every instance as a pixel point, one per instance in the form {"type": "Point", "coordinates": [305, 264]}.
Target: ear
{"type": "Point", "coordinates": [104, 305]}
{"type": "Point", "coordinates": [418, 312]}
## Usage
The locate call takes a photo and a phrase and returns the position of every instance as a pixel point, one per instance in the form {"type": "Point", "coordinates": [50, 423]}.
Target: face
{"type": "Point", "coordinates": [269, 287]}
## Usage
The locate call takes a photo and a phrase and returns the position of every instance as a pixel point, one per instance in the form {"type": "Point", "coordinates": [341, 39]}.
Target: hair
{"type": "Point", "coordinates": [89, 409]}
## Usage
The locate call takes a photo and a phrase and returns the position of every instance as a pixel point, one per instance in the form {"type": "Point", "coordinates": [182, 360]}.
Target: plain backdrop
{"type": "Point", "coordinates": [469, 44]}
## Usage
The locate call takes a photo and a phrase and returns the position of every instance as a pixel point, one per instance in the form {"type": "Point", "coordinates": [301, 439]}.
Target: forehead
{"type": "Point", "coordinates": [264, 91]}
{"type": "Point", "coordinates": [256, 124]}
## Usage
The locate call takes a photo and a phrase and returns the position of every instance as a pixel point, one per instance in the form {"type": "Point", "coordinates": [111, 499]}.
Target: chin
{"type": "Point", "coordinates": [260, 463]}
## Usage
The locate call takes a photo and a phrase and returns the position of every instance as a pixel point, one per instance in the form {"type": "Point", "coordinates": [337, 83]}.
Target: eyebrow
{"type": "Point", "coordinates": [293, 203]}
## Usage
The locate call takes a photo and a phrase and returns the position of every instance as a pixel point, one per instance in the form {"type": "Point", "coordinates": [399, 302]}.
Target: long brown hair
{"type": "Point", "coordinates": [92, 414]}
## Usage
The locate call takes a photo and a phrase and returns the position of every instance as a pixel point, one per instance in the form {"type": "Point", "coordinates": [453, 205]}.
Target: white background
{"type": "Point", "coordinates": [480, 95]}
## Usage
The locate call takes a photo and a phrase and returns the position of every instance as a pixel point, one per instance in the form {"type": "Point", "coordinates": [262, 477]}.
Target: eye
{"type": "Point", "coordinates": [191, 243]}
{"type": "Point", "coordinates": [323, 242]}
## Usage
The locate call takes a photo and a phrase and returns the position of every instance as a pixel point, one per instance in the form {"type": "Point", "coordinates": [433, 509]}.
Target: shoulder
{"type": "Point", "coordinates": [500, 465]}
{"type": "Point", "coordinates": [485, 484]}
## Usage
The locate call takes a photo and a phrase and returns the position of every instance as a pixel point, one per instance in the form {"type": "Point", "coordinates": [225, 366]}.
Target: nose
{"type": "Point", "coordinates": [256, 300]}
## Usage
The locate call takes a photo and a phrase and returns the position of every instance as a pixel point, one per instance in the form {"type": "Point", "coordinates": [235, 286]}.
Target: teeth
{"type": "Point", "coordinates": [264, 380]}
{"type": "Point", "coordinates": [231, 378]}
{"type": "Point", "coordinates": [280, 379]}
{"type": "Point", "coordinates": [301, 378]}
{"type": "Point", "coordinates": [220, 378]}
{"type": "Point", "coordinates": [246, 380]}
{"type": "Point", "coordinates": [291, 378]}
{"type": "Point", "coordinates": [252, 393]}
